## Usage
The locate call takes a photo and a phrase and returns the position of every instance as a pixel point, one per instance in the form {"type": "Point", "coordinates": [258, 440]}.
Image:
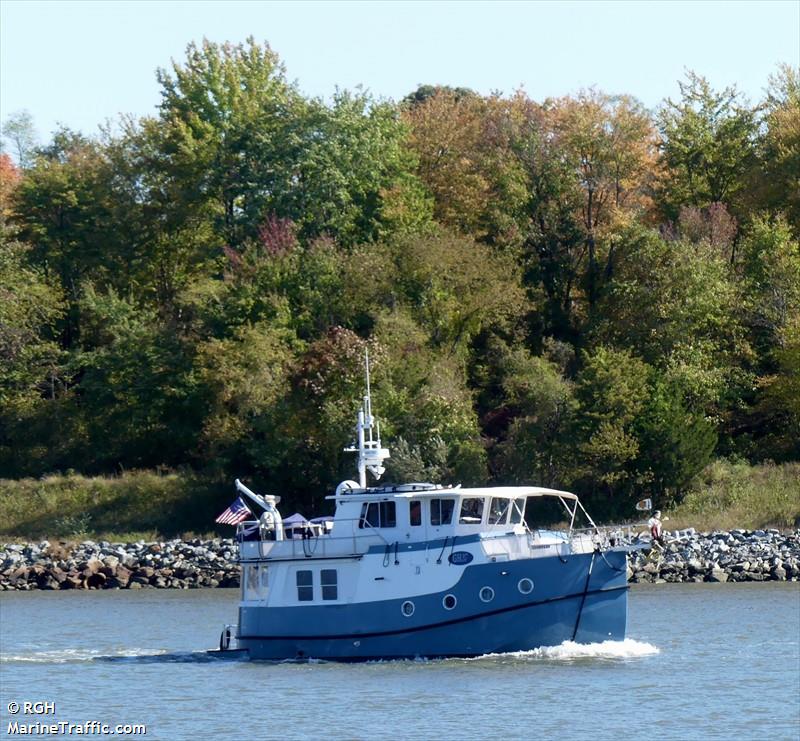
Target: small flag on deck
{"type": "Point", "coordinates": [236, 513]}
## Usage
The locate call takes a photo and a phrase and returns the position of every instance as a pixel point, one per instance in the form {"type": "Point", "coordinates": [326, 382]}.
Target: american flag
{"type": "Point", "coordinates": [236, 513]}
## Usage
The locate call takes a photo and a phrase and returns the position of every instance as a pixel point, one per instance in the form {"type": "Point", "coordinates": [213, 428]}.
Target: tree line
{"type": "Point", "coordinates": [578, 292]}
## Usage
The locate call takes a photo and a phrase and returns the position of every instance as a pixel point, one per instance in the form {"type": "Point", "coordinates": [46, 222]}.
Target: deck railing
{"type": "Point", "coordinates": [611, 536]}
{"type": "Point", "coordinates": [311, 544]}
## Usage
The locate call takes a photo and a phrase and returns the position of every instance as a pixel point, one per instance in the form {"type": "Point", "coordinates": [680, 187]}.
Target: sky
{"type": "Point", "coordinates": [81, 64]}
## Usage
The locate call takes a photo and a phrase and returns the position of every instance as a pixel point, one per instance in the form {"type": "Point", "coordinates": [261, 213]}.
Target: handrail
{"type": "Point", "coordinates": [608, 535]}
{"type": "Point", "coordinates": [326, 544]}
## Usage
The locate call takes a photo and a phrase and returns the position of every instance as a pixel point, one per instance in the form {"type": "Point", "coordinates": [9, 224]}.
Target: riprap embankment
{"type": "Point", "coordinates": [726, 556]}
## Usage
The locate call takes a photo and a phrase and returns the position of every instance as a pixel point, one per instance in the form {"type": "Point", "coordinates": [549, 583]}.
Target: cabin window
{"type": "Point", "coordinates": [518, 511]}
{"type": "Point", "coordinates": [498, 511]}
{"type": "Point", "coordinates": [328, 580]}
{"type": "Point", "coordinates": [378, 514]}
{"type": "Point", "coordinates": [305, 586]}
{"type": "Point", "coordinates": [415, 512]}
{"type": "Point", "coordinates": [471, 511]}
{"type": "Point", "coordinates": [442, 511]}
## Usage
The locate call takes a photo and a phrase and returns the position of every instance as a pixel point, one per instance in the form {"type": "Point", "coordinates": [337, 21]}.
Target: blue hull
{"type": "Point", "coordinates": [581, 598]}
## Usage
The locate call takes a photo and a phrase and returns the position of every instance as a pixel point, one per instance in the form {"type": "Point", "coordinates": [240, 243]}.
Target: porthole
{"type": "Point", "coordinates": [449, 602]}
{"type": "Point", "coordinates": [486, 594]}
{"type": "Point", "coordinates": [407, 608]}
{"type": "Point", "coordinates": [525, 585]}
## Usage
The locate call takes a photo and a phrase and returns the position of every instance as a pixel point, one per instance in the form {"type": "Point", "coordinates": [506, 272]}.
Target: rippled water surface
{"type": "Point", "coordinates": [701, 661]}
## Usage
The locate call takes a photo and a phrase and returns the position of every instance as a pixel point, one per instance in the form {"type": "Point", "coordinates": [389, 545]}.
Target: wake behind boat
{"type": "Point", "coordinates": [423, 570]}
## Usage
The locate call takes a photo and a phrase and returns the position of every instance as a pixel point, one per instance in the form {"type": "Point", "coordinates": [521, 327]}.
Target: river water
{"type": "Point", "coordinates": [702, 661]}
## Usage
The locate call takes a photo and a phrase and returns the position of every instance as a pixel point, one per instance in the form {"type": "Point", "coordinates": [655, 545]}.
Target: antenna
{"type": "Point", "coordinates": [370, 453]}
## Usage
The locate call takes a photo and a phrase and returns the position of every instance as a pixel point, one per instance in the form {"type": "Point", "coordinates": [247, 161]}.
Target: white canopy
{"type": "Point", "coordinates": [509, 492]}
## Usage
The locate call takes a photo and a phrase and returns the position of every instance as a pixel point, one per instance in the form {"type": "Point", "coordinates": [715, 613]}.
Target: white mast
{"type": "Point", "coordinates": [370, 453]}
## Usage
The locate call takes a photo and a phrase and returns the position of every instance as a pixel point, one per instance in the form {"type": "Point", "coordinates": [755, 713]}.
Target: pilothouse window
{"type": "Point", "coordinates": [378, 514]}
{"type": "Point", "coordinates": [471, 511]}
{"type": "Point", "coordinates": [498, 511]}
{"type": "Point", "coordinates": [415, 512]}
{"type": "Point", "coordinates": [442, 511]}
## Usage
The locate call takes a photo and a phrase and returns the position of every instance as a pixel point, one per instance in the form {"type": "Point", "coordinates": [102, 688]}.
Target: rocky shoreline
{"type": "Point", "coordinates": [173, 564]}
{"type": "Point", "coordinates": [734, 556]}
{"type": "Point", "coordinates": [722, 556]}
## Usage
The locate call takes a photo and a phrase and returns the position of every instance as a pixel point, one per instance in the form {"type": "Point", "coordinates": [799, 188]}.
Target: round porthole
{"type": "Point", "coordinates": [449, 602]}
{"type": "Point", "coordinates": [486, 594]}
{"type": "Point", "coordinates": [525, 585]}
{"type": "Point", "coordinates": [407, 608]}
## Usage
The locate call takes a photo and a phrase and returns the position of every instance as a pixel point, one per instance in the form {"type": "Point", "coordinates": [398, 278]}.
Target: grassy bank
{"type": "Point", "coordinates": [737, 495]}
{"type": "Point", "coordinates": [148, 504]}
{"type": "Point", "coordinates": [136, 504]}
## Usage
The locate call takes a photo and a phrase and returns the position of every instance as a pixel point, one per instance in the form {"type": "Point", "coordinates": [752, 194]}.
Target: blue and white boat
{"type": "Point", "coordinates": [423, 570]}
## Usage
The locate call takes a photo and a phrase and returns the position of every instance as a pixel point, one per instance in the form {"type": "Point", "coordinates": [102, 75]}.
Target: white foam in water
{"type": "Point", "coordinates": [74, 655]}
{"type": "Point", "coordinates": [569, 651]}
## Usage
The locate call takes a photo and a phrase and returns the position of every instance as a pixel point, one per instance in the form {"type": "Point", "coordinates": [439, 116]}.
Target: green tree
{"type": "Point", "coordinates": [769, 282]}
{"type": "Point", "coordinates": [769, 269]}
{"type": "Point", "coordinates": [245, 382]}
{"type": "Point", "coordinates": [67, 208]}
{"type": "Point", "coordinates": [31, 362]}
{"type": "Point", "coordinates": [780, 146]}
{"type": "Point", "coordinates": [18, 129]}
{"type": "Point", "coordinates": [708, 144]}
{"type": "Point", "coordinates": [612, 390]}
{"type": "Point", "coordinates": [426, 406]}
{"type": "Point", "coordinates": [674, 304]}
{"type": "Point", "coordinates": [356, 174]}
{"type": "Point", "coordinates": [238, 143]}
{"type": "Point", "coordinates": [138, 395]}
{"type": "Point", "coordinates": [537, 448]}
{"type": "Point", "coordinates": [554, 244]}
{"type": "Point", "coordinates": [778, 406]}
{"type": "Point", "coordinates": [675, 443]}
{"type": "Point", "coordinates": [226, 140]}
{"type": "Point", "coordinates": [454, 287]}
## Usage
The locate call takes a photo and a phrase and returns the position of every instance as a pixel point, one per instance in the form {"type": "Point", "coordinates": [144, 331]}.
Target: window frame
{"type": "Point", "coordinates": [517, 509]}
{"type": "Point", "coordinates": [304, 596]}
{"type": "Point", "coordinates": [326, 585]}
{"type": "Point", "coordinates": [385, 512]}
{"type": "Point", "coordinates": [438, 501]}
{"type": "Point", "coordinates": [475, 520]}
{"type": "Point", "coordinates": [415, 505]}
{"type": "Point", "coordinates": [502, 519]}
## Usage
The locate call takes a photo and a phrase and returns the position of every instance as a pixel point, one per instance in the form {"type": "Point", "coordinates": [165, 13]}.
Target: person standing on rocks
{"type": "Point", "coordinates": [656, 529]}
